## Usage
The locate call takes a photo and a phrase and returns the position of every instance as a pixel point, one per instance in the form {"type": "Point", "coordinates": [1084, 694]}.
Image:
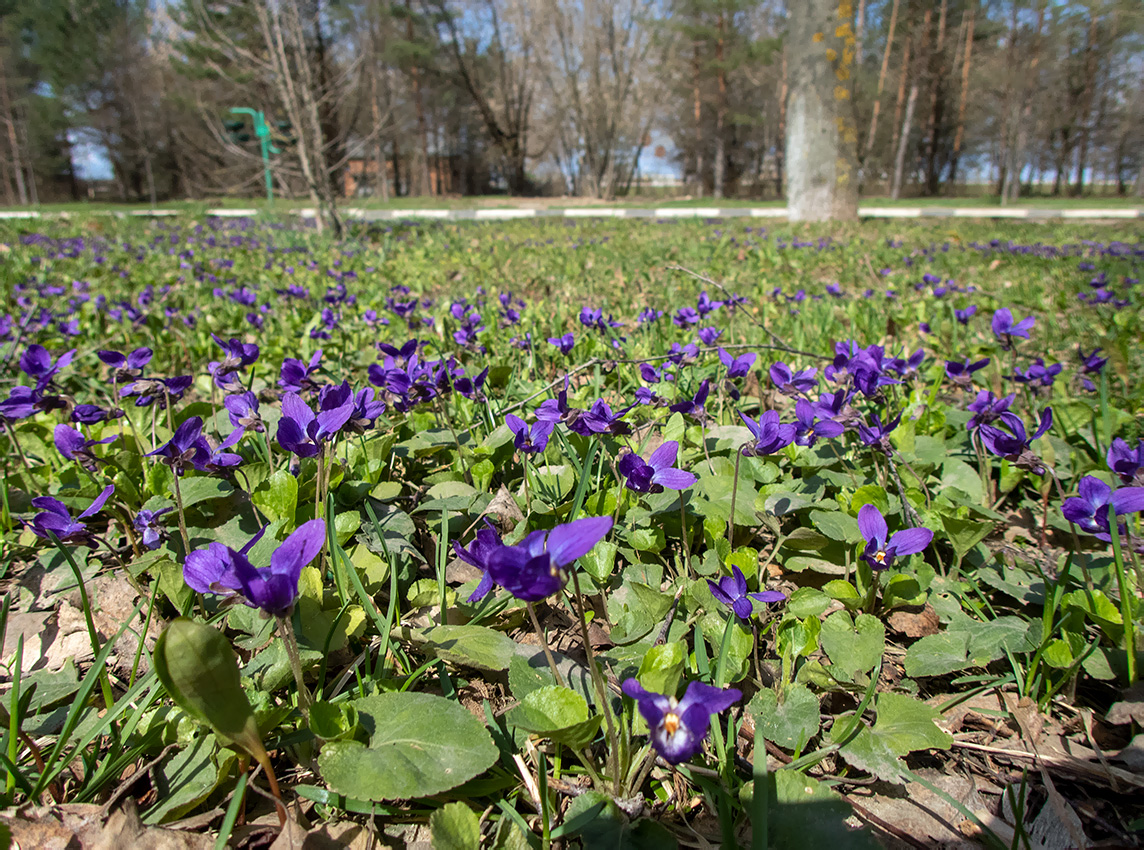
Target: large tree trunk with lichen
{"type": "Point", "coordinates": [821, 133]}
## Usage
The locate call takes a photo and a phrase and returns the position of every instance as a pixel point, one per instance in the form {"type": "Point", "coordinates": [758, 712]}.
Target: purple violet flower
{"type": "Point", "coordinates": [301, 432]}
{"type": "Point", "coordinates": [793, 383]}
{"type": "Point", "coordinates": [274, 589]}
{"type": "Point", "coordinates": [187, 448]}
{"type": "Point", "coordinates": [564, 343]}
{"type": "Point", "coordinates": [147, 524]}
{"type": "Point", "coordinates": [530, 440]}
{"type": "Point", "coordinates": [1015, 445]}
{"type": "Point", "coordinates": [880, 552]}
{"type": "Point", "coordinates": [535, 568]}
{"type": "Point", "coordinates": [657, 473]}
{"type": "Point", "coordinates": [56, 518]}
{"type": "Point", "coordinates": [732, 592]}
{"type": "Point", "coordinates": [296, 376]}
{"type": "Point", "coordinates": [477, 555]}
{"type": "Point", "coordinates": [876, 435]}
{"type": "Point", "coordinates": [1089, 510]}
{"type": "Point", "coordinates": [738, 367]}
{"type": "Point", "coordinates": [694, 407]}
{"type": "Point", "coordinates": [72, 444]}
{"type": "Point", "coordinates": [962, 373]}
{"type": "Point", "coordinates": [986, 408]}
{"type": "Point", "coordinates": [808, 430]}
{"type": "Point", "coordinates": [242, 408]}
{"type": "Point", "coordinates": [1124, 461]}
{"type": "Point", "coordinates": [1005, 329]}
{"type": "Point", "coordinates": [678, 728]}
{"type": "Point", "coordinates": [770, 434]}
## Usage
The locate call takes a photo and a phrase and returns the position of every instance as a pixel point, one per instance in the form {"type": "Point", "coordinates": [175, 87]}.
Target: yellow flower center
{"type": "Point", "coordinates": [670, 723]}
{"type": "Point", "coordinates": [880, 557]}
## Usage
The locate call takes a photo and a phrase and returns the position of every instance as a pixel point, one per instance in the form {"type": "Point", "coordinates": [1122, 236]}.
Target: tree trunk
{"type": "Point", "coordinates": [780, 140]}
{"type": "Point", "coordinates": [697, 114]}
{"type": "Point", "coordinates": [720, 163]}
{"type": "Point", "coordinates": [859, 30]}
{"type": "Point", "coordinates": [900, 103]}
{"type": "Point", "coordinates": [1090, 61]}
{"type": "Point", "coordinates": [9, 118]}
{"type": "Point", "coordinates": [908, 120]}
{"type": "Point", "coordinates": [903, 143]}
{"type": "Point", "coordinates": [419, 106]}
{"type": "Point", "coordinates": [821, 134]}
{"type": "Point", "coordinates": [882, 81]}
{"type": "Point", "coordinates": [1139, 188]}
{"type": "Point", "coordinates": [959, 135]}
{"type": "Point", "coordinates": [1016, 166]}
{"type": "Point", "coordinates": [937, 74]}
{"type": "Point", "coordinates": [285, 41]}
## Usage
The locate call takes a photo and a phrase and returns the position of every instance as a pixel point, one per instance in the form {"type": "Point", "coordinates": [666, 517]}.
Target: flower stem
{"type": "Point", "coordinates": [734, 492]}
{"type": "Point", "coordinates": [544, 645]}
{"type": "Point", "coordinates": [290, 644]}
{"type": "Point", "coordinates": [686, 540]}
{"type": "Point", "coordinates": [598, 681]}
{"type": "Point", "coordinates": [724, 647]}
{"type": "Point", "coordinates": [182, 516]}
{"type": "Point", "coordinates": [1126, 593]}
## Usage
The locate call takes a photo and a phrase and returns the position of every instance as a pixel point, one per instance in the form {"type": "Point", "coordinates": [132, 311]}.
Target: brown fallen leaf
{"type": "Point", "coordinates": [77, 826]}
{"type": "Point", "coordinates": [1130, 709]}
{"type": "Point", "coordinates": [915, 622]}
{"type": "Point", "coordinates": [344, 835]}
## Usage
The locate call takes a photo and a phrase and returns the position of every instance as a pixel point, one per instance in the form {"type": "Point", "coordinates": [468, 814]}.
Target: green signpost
{"type": "Point", "coordinates": [262, 132]}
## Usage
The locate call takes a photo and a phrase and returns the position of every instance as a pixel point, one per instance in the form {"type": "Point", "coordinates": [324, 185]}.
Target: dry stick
{"type": "Point", "coordinates": [777, 339]}
{"type": "Point", "coordinates": [544, 645]}
{"type": "Point", "coordinates": [142, 771]}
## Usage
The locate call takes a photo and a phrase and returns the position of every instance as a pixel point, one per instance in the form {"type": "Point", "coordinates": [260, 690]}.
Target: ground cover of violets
{"type": "Point", "coordinates": [570, 533]}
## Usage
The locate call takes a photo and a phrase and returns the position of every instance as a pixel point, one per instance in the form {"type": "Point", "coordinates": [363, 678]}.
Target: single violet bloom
{"type": "Point", "coordinates": [793, 383]}
{"type": "Point", "coordinates": [962, 373]}
{"type": "Point", "coordinates": [564, 343]}
{"type": "Point", "coordinates": [986, 408]}
{"type": "Point", "coordinates": [147, 524]}
{"type": "Point", "coordinates": [769, 434]}
{"type": "Point", "coordinates": [54, 517]}
{"type": "Point", "coordinates": [301, 432]}
{"type": "Point", "coordinates": [732, 592]}
{"type": "Point", "coordinates": [187, 448]}
{"type": "Point", "coordinates": [599, 419]}
{"type": "Point", "coordinates": [530, 440]}
{"type": "Point", "coordinates": [877, 435]}
{"type": "Point", "coordinates": [296, 376]}
{"type": "Point", "coordinates": [221, 570]}
{"type": "Point", "coordinates": [657, 473]}
{"type": "Point", "coordinates": [1004, 328]}
{"type": "Point", "coordinates": [880, 552]}
{"type": "Point", "coordinates": [242, 409]}
{"type": "Point", "coordinates": [694, 406]}
{"type": "Point", "coordinates": [477, 555]}
{"type": "Point", "coordinates": [1089, 510]}
{"type": "Point", "coordinates": [1124, 461]}
{"type": "Point", "coordinates": [963, 316]}
{"type": "Point", "coordinates": [679, 727]}
{"type": "Point", "coordinates": [737, 367]}
{"type": "Point", "coordinates": [808, 429]}
{"type": "Point", "coordinates": [73, 445]}
{"type": "Point", "coordinates": [1014, 444]}
{"type": "Point", "coordinates": [535, 568]}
